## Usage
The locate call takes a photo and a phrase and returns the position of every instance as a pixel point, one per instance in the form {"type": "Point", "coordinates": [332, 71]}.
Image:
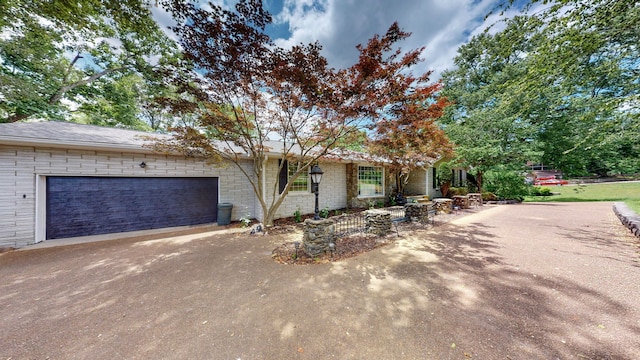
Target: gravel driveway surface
{"type": "Point", "coordinates": [527, 281]}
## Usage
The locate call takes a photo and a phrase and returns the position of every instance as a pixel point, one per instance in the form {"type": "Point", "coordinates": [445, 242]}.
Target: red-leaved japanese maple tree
{"type": "Point", "coordinates": [409, 137]}
{"type": "Point", "coordinates": [247, 92]}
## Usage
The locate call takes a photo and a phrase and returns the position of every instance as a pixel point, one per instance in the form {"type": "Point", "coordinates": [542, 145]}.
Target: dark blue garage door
{"type": "Point", "coordinates": [80, 206]}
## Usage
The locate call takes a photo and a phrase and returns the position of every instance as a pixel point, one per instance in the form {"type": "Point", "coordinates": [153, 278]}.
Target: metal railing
{"type": "Point", "coordinates": [397, 212]}
{"type": "Point", "coordinates": [349, 224]}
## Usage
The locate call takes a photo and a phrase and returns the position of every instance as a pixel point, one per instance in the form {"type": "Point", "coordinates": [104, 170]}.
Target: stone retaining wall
{"type": "Point", "coordinates": [377, 222]}
{"type": "Point", "coordinates": [628, 217]}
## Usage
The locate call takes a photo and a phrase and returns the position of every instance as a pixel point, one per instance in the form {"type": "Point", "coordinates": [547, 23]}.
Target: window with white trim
{"type": "Point", "coordinates": [302, 182]}
{"type": "Point", "coordinates": [370, 181]}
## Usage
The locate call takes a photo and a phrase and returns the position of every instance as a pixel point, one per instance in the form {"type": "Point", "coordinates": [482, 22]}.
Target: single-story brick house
{"type": "Point", "coordinates": [62, 180]}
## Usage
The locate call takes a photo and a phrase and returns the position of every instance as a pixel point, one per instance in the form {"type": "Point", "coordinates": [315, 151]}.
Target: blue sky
{"type": "Point", "coordinates": [441, 26]}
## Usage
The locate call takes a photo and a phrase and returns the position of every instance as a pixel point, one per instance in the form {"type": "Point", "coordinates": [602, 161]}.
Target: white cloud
{"type": "Point", "coordinates": [339, 25]}
{"type": "Point", "coordinates": [164, 20]}
{"type": "Point", "coordinates": [441, 26]}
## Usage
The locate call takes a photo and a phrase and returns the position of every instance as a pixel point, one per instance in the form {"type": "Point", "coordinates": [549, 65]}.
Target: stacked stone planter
{"type": "Point", "coordinates": [417, 212]}
{"type": "Point", "coordinates": [475, 199]}
{"type": "Point", "coordinates": [628, 217]}
{"type": "Point", "coordinates": [377, 222]}
{"type": "Point", "coordinates": [443, 206]}
{"type": "Point", "coordinates": [318, 234]}
{"type": "Point", "coordinates": [461, 201]}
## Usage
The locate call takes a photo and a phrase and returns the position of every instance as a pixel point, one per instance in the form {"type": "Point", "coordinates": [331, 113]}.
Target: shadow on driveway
{"type": "Point", "coordinates": [509, 282]}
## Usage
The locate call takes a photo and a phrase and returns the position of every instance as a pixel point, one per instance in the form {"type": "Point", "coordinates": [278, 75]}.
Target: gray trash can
{"type": "Point", "coordinates": [224, 213]}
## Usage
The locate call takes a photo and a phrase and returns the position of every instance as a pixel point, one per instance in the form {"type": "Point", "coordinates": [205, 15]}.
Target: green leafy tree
{"type": "Point", "coordinates": [588, 54]}
{"type": "Point", "coordinates": [116, 102]}
{"type": "Point", "coordinates": [558, 85]}
{"type": "Point", "coordinates": [53, 50]}
{"type": "Point", "coordinates": [485, 121]}
{"type": "Point", "coordinates": [507, 183]}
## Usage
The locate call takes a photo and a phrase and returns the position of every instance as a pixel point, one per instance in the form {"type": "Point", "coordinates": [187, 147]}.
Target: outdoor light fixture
{"type": "Point", "coordinates": [316, 174]}
{"type": "Point", "coordinates": [143, 165]}
{"type": "Point", "coordinates": [297, 246]}
{"type": "Point", "coordinates": [316, 177]}
{"type": "Point", "coordinates": [332, 248]}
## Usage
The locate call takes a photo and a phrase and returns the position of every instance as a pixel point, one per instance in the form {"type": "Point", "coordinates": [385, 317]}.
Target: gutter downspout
{"type": "Point", "coordinates": [264, 184]}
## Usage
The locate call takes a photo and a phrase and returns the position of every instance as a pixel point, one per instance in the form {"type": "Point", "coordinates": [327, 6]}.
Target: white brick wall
{"type": "Point", "coordinates": [21, 167]}
{"type": "Point", "coordinates": [332, 192]}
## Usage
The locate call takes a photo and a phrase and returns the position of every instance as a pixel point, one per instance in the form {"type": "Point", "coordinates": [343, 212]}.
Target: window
{"type": "Point", "coordinates": [302, 182]}
{"type": "Point", "coordinates": [370, 181]}
{"type": "Point", "coordinates": [288, 170]}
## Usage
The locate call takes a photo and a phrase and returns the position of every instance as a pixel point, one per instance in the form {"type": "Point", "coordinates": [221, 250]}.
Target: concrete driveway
{"type": "Point", "coordinates": [528, 281]}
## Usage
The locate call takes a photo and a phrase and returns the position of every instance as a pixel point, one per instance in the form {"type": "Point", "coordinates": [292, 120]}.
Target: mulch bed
{"type": "Point", "coordinates": [346, 247]}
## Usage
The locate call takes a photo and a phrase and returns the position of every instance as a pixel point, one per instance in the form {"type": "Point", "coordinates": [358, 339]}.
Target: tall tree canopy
{"type": "Point", "coordinates": [57, 53]}
{"type": "Point", "coordinates": [247, 91]}
{"type": "Point", "coordinates": [485, 120]}
{"type": "Point", "coordinates": [559, 85]}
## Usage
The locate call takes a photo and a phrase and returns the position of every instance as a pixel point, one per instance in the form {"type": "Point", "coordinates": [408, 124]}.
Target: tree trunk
{"type": "Point", "coordinates": [17, 117]}
{"type": "Point", "coordinates": [444, 188]}
{"type": "Point", "coordinates": [479, 181]}
{"type": "Point", "coordinates": [270, 211]}
{"type": "Point", "coordinates": [268, 219]}
{"type": "Point", "coordinates": [401, 181]}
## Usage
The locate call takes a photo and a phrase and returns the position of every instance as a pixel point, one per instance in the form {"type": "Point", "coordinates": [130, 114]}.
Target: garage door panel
{"type": "Point", "coordinates": [80, 206]}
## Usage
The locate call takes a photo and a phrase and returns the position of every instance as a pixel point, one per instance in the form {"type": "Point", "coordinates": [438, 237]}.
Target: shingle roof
{"type": "Point", "coordinates": [68, 135]}
{"type": "Point", "coordinates": [71, 135]}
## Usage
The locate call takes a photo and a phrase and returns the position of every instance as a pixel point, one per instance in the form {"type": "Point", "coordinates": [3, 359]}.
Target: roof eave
{"type": "Point", "coordinates": [76, 145]}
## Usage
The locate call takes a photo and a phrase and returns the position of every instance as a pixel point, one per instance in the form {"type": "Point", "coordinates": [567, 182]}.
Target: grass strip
{"type": "Point", "coordinates": [629, 192]}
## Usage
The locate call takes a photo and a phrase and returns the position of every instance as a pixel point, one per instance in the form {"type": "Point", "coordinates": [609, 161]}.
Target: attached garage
{"type": "Point", "coordinates": [63, 180]}
{"type": "Point", "coordinates": [84, 205]}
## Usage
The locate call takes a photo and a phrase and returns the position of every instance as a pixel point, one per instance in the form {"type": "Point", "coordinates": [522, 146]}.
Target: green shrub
{"type": "Point", "coordinates": [245, 220]}
{"type": "Point", "coordinates": [506, 184]}
{"type": "Point", "coordinates": [541, 191]}
{"type": "Point", "coordinates": [324, 213]}
{"type": "Point", "coordinates": [297, 216]}
{"type": "Point", "coordinates": [489, 196]}
{"type": "Point", "coordinates": [458, 191]}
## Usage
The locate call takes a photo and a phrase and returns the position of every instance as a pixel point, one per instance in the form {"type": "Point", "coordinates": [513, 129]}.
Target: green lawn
{"type": "Point", "coordinates": [627, 192]}
{"type": "Point", "coordinates": [634, 205]}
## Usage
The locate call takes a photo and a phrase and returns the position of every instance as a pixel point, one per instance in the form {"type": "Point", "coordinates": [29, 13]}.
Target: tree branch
{"type": "Point", "coordinates": [64, 89]}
